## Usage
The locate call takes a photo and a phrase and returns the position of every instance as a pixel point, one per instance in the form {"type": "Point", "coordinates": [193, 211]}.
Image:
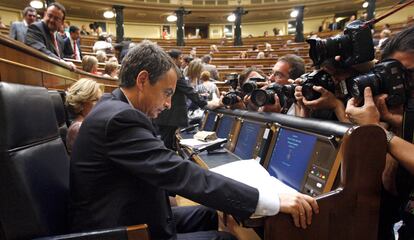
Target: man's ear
{"type": "Point", "coordinates": [141, 80]}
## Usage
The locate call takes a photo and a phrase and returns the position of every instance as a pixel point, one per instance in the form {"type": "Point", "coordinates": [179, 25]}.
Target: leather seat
{"type": "Point", "coordinates": [60, 111]}
{"type": "Point", "coordinates": [34, 169]}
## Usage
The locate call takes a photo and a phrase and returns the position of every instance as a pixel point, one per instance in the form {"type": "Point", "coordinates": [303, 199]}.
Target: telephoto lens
{"type": "Point", "coordinates": [260, 97]}
{"type": "Point", "coordinates": [230, 98]}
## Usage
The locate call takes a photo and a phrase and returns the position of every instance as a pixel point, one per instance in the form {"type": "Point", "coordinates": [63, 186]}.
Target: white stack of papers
{"type": "Point", "coordinates": [194, 143]}
{"type": "Point", "coordinates": [251, 173]}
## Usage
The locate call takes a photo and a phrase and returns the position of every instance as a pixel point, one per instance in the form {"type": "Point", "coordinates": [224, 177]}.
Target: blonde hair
{"type": "Point", "coordinates": [205, 76]}
{"type": "Point", "coordinates": [194, 70]}
{"type": "Point", "coordinates": [110, 67]}
{"type": "Point", "coordinates": [83, 91]}
{"type": "Point", "coordinates": [88, 62]}
{"type": "Point", "coordinates": [101, 56]}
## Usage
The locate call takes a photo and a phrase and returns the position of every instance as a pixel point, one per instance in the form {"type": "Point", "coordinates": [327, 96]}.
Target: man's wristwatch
{"type": "Point", "coordinates": [390, 135]}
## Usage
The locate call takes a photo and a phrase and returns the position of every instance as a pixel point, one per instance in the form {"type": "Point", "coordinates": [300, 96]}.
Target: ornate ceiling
{"type": "Point", "coordinates": [203, 11]}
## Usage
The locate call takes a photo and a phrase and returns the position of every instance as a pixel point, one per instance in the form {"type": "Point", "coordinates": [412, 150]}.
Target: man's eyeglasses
{"type": "Point", "coordinates": [279, 75]}
{"type": "Point", "coordinates": [56, 18]}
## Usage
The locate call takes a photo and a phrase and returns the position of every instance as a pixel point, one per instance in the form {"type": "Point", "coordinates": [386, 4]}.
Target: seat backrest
{"type": "Point", "coordinates": [60, 111]}
{"type": "Point", "coordinates": [34, 166]}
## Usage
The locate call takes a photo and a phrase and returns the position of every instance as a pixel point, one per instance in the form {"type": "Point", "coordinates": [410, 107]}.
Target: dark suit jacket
{"type": "Point", "coordinates": [121, 172]}
{"type": "Point", "coordinates": [18, 31]}
{"type": "Point", "coordinates": [38, 37]}
{"type": "Point", "coordinates": [68, 48]}
{"type": "Point", "coordinates": [177, 114]}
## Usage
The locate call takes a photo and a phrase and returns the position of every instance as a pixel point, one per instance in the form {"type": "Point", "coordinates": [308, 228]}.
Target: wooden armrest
{"type": "Point", "coordinates": [136, 232]}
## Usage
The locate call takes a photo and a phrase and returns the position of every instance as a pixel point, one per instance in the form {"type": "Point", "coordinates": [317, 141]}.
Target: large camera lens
{"type": "Point", "coordinates": [262, 97]}
{"type": "Point", "coordinates": [230, 99]}
{"type": "Point", "coordinates": [357, 85]}
{"type": "Point", "coordinates": [249, 86]}
{"type": "Point", "coordinates": [323, 49]}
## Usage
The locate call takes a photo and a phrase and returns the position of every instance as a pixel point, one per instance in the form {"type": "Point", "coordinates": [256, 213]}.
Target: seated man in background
{"type": "Point", "coordinates": [208, 67]}
{"type": "Point", "coordinates": [42, 35]}
{"type": "Point", "coordinates": [121, 173]}
{"type": "Point", "coordinates": [18, 30]}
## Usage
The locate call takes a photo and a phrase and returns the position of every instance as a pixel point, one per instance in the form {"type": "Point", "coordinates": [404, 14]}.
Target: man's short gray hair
{"type": "Point", "coordinates": [28, 9]}
{"type": "Point", "coordinates": [145, 56]}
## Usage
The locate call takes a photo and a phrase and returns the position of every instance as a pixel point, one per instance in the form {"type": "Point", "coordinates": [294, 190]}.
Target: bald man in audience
{"type": "Point", "coordinates": [18, 30]}
{"type": "Point", "coordinates": [42, 35]}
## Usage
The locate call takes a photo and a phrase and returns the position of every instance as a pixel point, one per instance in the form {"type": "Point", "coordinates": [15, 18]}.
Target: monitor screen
{"type": "Point", "coordinates": [224, 127]}
{"type": "Point", "coordinates": [290, 157]}
{"type": "Point", "coordinates": [210, 121]}
{"type": "Point", "coordinates": [247, 140]}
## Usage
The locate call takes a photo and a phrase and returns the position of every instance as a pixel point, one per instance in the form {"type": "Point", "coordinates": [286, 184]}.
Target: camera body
{"type": "Point", "coordinates": [231, 97]}
{"type": "Point", "coordinates": [289, 91]}
{"type": "Point", "coordinates": [316, 78]}
{"type": "Point", "coordinates": [262, 97]}
{"type": "Point", "coordinates": [388, 76]}
{"type": "Point", "coordinates": [251, 84]}
{"type": "Point", "coordinates": [232, 80]}
{"type": "Point", "coordinates": [354, 46]}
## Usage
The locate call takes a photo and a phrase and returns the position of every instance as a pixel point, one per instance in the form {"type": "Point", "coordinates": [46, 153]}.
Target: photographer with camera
{"type": "Point", "coordinates": [340, 57]}
{"type": "Point", "coordinates": [273, 98]}
{"type": "Point", "coordinates": [241, 85]}
{"type": "Point", "coordinates": [400, 48]}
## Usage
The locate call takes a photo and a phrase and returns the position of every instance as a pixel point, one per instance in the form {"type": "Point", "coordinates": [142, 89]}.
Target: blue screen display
{"type": "Point", "coordinates": [291, 156]}
{"type": "Point", "coordinates": [225, 126]}
{"type": "Point", "coordinates": [247, 140]}
{"type": "Point", "coordinates": [211, 119]}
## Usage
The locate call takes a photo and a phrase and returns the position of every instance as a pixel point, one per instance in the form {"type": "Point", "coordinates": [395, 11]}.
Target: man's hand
{"type": "Point", "coordinates": [367, 114]}
{"type": "Point", "coordinates": [392, 116]}
{"type": "Point", "coordinates": [327, 100]}
{"type": "Point", "coordinates": [300, 109]}
{"type": "Point", "coordinates": [300, 206]}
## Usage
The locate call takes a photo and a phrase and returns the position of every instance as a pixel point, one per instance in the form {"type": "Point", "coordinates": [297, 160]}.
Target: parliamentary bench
{"type": "Point", "coordinates": [22, 64]}
{"type": "Point", "coordinates": [339, 164]}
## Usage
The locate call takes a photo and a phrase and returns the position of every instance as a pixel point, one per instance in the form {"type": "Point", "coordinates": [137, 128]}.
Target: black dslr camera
{"type": "Point", "coordinates": [232, 80]}
{"type": "Point", "coordinates": [251, 84]}
{"type": "Point", "coordinates": [262, 97]}
{"type": "Point", "coordinates": [232, 97]}
{"type": "Point", "coordinates": [316, 78]}
{"type": "Point", "coordinates": [388, 76]}
{"type": "Point", "coordinates": [354, 46]}
{"type": "Point", "coordinates": [289, 91]}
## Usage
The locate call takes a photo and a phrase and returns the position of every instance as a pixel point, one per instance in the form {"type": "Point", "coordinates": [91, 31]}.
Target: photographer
{"type": "Point", "coordinates": [243, 100]}
{"type": "Point", "coordinates": [401, 48]}
{"type": "Point", "coordinates": [287, 67]}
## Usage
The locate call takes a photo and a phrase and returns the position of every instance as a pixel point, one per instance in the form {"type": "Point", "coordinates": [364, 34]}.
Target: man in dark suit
{"type": "Point", "coordinates": [71, 48]}
{"type": "Point", "coordinates": [171, 119]}
{"type": "Point", "coordinates": [42, 35]}
{"type": "Point", "coordinates": [121, 173]}
{"type": "Point", "coordinates": [18, 29]}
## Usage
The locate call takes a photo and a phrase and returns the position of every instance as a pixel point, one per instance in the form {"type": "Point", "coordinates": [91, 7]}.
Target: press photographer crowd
{"type": "Point", "coordinates": [348, 85]}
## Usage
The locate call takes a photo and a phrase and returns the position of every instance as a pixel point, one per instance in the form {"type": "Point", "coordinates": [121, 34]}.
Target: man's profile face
{"type": "Point", "coordinates": [30, 17]}
{"type": "Point", "coordinates": [53, 18]}
{"type": "Point", "coordinates": [156, 98]}
{"type": "Point", "coordinates": [280, 73]}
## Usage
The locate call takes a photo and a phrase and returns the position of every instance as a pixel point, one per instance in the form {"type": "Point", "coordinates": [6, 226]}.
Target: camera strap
{"type": "Point", "coordinates": [408, 121]}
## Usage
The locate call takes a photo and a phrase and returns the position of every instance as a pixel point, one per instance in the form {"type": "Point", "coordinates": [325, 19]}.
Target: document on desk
{"type": "Point", "coordinates": [251, 173]}
{"type": "Point", "coordinates": [195, 143]}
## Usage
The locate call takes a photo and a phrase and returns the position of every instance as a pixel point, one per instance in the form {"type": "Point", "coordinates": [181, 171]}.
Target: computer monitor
{"type": "Point", "coordinates": [247, 139]}
{"type": "Point", "coordinates": [210, 121]}
{"type": "Point", "coordinates": [224, 126]}
{"type": "Point", "coordinates": [304, 161]}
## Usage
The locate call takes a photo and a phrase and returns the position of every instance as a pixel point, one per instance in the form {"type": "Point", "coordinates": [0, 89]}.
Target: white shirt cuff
{"type": "Point", "coordinates": [269, 202]}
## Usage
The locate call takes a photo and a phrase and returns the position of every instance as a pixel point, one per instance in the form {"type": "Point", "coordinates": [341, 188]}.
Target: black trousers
{"type": "Point", "coordinates": [198, 223]}
{"type": "Point", "coordinates": [168, 136]}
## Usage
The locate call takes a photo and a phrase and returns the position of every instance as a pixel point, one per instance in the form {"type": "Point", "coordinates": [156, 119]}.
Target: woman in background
{"type": "Point", "coordinates": [80, 99]}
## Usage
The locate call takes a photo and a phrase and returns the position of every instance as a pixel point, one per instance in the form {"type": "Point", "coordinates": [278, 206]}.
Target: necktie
{"type": "Point", "coordinates": [75, 51]}
{"type": "Point", "coordinates": [55, 43]}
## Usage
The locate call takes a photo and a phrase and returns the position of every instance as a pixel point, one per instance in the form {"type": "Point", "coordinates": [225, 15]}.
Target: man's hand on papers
{"type": "Point", "coordinates": [300, 206]}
